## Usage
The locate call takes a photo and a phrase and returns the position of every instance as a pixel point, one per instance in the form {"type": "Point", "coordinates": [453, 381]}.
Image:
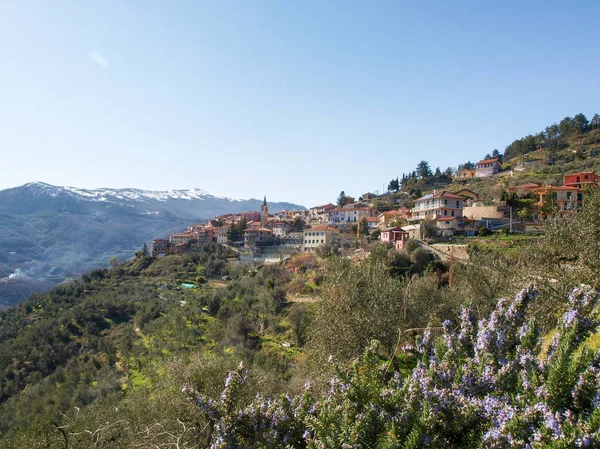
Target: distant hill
{"type": "Point", "coordinates": [50, 233]}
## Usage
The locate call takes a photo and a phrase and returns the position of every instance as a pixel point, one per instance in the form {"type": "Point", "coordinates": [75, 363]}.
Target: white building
{"type": "Point", "coordinates": [343, 218]}
{"type": "Point", "coordinates": [317, 236]}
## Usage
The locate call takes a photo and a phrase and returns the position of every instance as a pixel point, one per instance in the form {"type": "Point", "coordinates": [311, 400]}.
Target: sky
{"type": "Point", "coordinates": [296, 100]}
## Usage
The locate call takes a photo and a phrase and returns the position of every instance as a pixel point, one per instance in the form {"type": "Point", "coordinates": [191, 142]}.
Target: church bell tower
{"type": "Point", "coordinates": [264, 214]}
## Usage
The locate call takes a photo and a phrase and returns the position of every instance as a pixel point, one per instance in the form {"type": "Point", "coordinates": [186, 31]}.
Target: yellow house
{"type": "Point", "coordinates": [399, 215]}
{"type": "Point", "coordinates": [463, 175]}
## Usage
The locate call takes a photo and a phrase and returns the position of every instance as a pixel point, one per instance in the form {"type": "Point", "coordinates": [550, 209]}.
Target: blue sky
{"type": "Point", "coordinates": [295, 100]}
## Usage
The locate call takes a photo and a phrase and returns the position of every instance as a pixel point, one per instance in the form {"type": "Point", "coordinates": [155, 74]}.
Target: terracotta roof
{"type": "Point", "coordinates": [323, 206]}
{"type": "Point", "coordinates": [488, 161]}
{"type": "Point", "coordinates": [441, 194]}
{"type": "Point", "coordinates": [467, 190]}
{"type": "Point", "coordinates": [581, 173]}
{"type": "Point", "coordinates": [395, 229]}
{"type": "Point", "coordinates": [257, 229]}
{"type": "Point", "coordinates": [185, 233]}
{"type": "Point", "coordinates": [395, 211]}
{"type": "Point", "coordinates": [373, 219]}
{"type": "Point", "coordinates": [551, 188]}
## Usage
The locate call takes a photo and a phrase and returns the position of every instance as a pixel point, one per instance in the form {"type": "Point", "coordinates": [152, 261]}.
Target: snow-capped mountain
{"type": "Point", "coordinates": [124, 194]}
{"type": "Point", "coordinates": [49, 232]}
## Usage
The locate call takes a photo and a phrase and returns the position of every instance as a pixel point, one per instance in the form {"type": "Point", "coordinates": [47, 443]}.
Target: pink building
{"type": "Point", "coordinates": [396, 236]}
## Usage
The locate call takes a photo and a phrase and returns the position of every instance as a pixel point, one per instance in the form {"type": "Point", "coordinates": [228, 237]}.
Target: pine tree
{"type": "Point", "coordinates": [423, 170]}
{"type": "Point", "coordinates": [363, 228]}
{"type": "Point", "coordinates": [342, 199]}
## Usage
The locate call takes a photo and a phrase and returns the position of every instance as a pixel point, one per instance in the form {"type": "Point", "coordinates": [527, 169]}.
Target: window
{"type": "Point", "coordinates": [322, 232]}
{"type": "Point", "coordinates": [453, 213]}
{"type": "Point", "coordinates": [445, 201]}
{"type": "Point", "coordinates": [322, 241]}
{"type": "Point", "coordinates": [554, 195]}
{"type": "Point", "coordinates": [458, 204]}
{"type": "Point", "coordinates": [445, 212]}
{"type": "Point", "coordinates": [568, 195]}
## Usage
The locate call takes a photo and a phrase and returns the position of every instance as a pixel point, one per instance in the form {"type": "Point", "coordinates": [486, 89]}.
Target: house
{"type": "Point", "coordinates": [258, 237]}
{"type": "Point", "coordinates": [203, 235]}
{"type": "Point", "coordinates": [317, 210]}
{"type": "Point", "coordinates": [280, 228]}
{"type": "Point", "coordinates": [373, 223]}
{"type": "Point", "coordinates": [367, 196]}
{"type": "Point", "coordinates": [317, 236]}
{"type": "Point", "coordinates": [182, 237]}
{"type": "Point", "coordinates": [320, 214]}
{"type": "Point", "coordinates": [581, 179]}
{"type": "Point", "coordinates": [467, 226]}
{"type": "Point", "coordinates": [524, 189]}
{"type": "Point", "coordinates": [250, 216]}
{"type": "Point", "coordinates": [396, 236]}
{"type": "Point", "coordinates": [443, 226]}
{"type": "Point", "coordinates": [343, 218]}
{"type": "Point", "coordinates": [223, 235]}
{"type": "Point", "coordinates": [393, 216]}
{"type": "Point", "coordinates": [463, 175]}
{"type": "Point", "coordinates": [438, 204]}
{"type": "Point", "coordinates": [158, 247]}
{"type": "Point", "coordinates": [469, 196]}
{"type": "Point", "coordinates": [562, 199]}
{"type": "Point", "coordinates": [487, 167]}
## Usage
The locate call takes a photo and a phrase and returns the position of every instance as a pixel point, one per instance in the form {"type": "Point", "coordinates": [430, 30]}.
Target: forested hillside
{"type": "Point", "coordinates": [569, 132]}
{"type": "Point", "coordinates": [130, 357]}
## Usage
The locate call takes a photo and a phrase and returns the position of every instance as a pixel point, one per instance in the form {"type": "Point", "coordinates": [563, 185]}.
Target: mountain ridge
{"type": "Point", "coordinates": [52, 233]}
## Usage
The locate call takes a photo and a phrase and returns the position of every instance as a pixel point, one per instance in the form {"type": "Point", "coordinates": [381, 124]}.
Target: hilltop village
{"type": "Point", "coordinates": [455, 210]}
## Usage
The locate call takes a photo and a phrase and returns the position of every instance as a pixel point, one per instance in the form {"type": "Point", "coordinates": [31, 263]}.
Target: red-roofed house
{"type": "Point", "coordinates": [564, 199]}
{"type": "Point", "coordinates": [280, 228]}
{"type": "Point", "coordinates": [373, 223]}
{"type": "Point", "coordinates": [343, 218]}
{"type": "Point", "coordinates": [487, 167]}
{"type": "Point", "coordinates": [581, 179]}
{"type": "Point", "coordinates": [438, 204]}
{"type": "Point", "coordinates": [444, 226]}
{"type": "Point", "coordinates": [396, 236]}
{"type": "Point", "coordinates": [395, 216]}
